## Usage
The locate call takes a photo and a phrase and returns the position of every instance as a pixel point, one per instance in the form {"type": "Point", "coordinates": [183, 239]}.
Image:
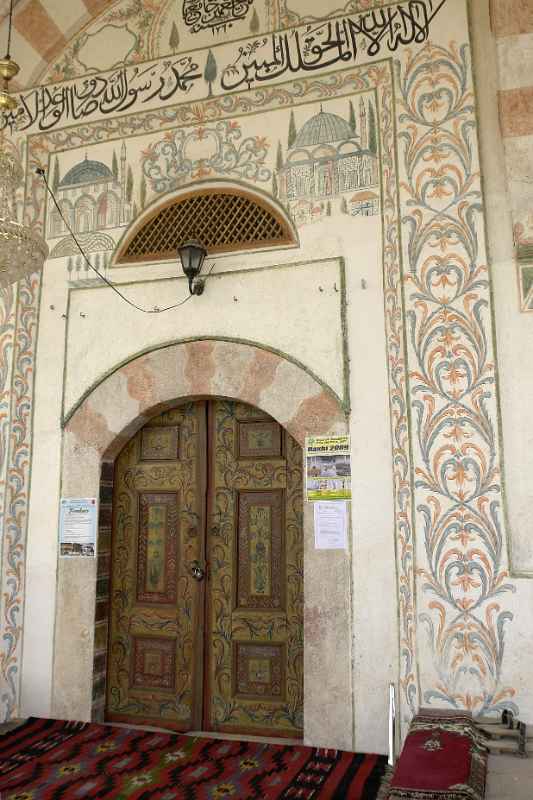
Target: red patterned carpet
{"type": "Point", "coordinates": [54, 760]}
{"type": "Point", "coordinates": [444, 758]}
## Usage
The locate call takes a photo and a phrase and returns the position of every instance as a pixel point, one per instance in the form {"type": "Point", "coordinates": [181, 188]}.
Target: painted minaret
{"type": "Point", "coordinates": [363, 129]}
{"type": "Point", "coordinates": [123, 183]}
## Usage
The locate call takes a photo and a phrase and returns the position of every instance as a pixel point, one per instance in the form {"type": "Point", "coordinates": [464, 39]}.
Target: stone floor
{"type": "Point", "coordinates": [509, 778]}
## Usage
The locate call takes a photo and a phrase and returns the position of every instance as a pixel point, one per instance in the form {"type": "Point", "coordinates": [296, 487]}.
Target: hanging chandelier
{"type": "Point", "coordinates": [8, 70]}
{"type": "Point", "coordinates": [22, 250]}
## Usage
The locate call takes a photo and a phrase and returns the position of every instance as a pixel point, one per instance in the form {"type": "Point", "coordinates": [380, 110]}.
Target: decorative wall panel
{"type": "Point", "coordinates": [160, 444]}
{"type": "Point", "coordinates": [259, 670]}
{"type": "Point", "coordinates": [19, 309]}
{"type": "Point", "coordinates": [153, 663]}
{"type": "Point", "coordinates": [157, 566]}
{"type": "Point", "coordinates": [261, 568]}
{"type": "Point", "coordinates": [460, 562]}
{"type": "Point", "coordinates": [259, 440]}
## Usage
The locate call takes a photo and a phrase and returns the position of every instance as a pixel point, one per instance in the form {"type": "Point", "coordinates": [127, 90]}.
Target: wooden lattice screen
{"type": "Point", "coordinates": [223, 220]}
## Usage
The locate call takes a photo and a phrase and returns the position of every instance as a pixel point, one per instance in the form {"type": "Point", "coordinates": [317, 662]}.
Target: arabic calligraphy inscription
{"type": "Point", "coordinates": [119, 91]}
{"type": "Point", "coordinates": [214, 15]}
{"type": "Point", "coordinates": [312, 48]}
{"type": "Point", "coordinates": [317, 47]}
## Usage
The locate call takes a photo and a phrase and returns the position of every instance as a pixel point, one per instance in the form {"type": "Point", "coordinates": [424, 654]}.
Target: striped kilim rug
{"type": "Point", "coordinates": [54, 760]}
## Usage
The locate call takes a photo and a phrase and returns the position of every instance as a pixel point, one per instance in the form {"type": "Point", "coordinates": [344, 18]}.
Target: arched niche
{"type": "Point", "coordinates": [224, 216]}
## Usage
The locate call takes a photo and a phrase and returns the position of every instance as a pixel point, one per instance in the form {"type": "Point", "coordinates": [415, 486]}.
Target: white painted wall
{"type": "Point", "coordinates": [291, 302]}
{"type": "Point", "coordinates": [282, 307]}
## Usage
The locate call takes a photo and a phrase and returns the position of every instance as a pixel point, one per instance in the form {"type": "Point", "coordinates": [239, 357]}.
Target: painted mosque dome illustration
{"type": "Point", "coordinates": [92, 196]}
{"type": "Point", "coordinates": [86, 172]}
{"type": "Point", "coordinates": [329, 157]}
{"type": "Point", "coordinates": [323, 128]}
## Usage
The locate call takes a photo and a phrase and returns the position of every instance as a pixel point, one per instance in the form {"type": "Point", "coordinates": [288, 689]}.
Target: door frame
{"type": "Point", "coordinates": [95, 431]}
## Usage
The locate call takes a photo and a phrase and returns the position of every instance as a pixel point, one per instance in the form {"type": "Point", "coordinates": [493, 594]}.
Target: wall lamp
{"type": "Point", "coordinates": [192, 254]}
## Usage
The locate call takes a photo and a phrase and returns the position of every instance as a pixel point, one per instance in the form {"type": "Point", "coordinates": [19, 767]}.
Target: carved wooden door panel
{"type": "Point", "coordinates": [156, 619]}
{"type": "Point", "coordinates": [254, 636]}
{"type": "Point", "coordinates": [241, 511]}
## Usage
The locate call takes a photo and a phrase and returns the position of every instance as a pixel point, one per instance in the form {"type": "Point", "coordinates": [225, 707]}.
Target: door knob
{"type": "Point", "coordinates": [196, 570]}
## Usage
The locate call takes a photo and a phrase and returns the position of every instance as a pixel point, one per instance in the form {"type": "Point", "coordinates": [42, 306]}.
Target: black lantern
{"type": "Point", "coordinates": [192, 254]}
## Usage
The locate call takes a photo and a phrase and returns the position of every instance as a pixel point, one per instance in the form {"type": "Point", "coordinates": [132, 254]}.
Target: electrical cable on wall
{"type": "Point", "coordinates": [111, 285]}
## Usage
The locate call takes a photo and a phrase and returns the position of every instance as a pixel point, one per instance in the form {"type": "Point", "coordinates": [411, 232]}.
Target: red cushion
{"type": "Point", "coordinates": [424, 765]}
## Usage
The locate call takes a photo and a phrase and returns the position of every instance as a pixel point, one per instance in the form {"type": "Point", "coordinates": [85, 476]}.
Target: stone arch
{"type": "Point", "coordinates": [94, 434]}
{"type": "Point", "coordinates": [124, 401]}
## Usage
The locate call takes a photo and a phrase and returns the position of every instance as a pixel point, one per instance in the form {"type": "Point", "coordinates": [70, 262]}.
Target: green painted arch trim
{"type": "Point", "coordinates": [344, 404]}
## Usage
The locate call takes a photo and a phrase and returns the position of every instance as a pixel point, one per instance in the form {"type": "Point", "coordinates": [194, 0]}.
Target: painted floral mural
{"type": "Point", "coordinates": [394, 138]}
{"type": "Point", "coordinates": [205, 151]}
{"type": "Point", "coordinates": [461, 558]}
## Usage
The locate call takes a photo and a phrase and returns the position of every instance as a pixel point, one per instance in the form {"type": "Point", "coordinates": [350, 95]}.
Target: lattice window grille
{"type": "Point", "coordinates": [221, 221]}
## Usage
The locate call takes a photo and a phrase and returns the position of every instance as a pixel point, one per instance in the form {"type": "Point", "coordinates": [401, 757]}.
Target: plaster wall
{"type": "Point", "coordinates": [514, 333]}
{"type": "Point", "coordinates": [391, 314]}
{"type": "Point", "coordinates": [507, 138]}
{"type": "Point", "coordinates": [293, 305]}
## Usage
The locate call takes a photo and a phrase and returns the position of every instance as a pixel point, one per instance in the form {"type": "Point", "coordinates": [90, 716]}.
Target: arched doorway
{"type": "Point", "coordinates": [96, 429]}
{"type": "Point", "coordinates": [206, 599]}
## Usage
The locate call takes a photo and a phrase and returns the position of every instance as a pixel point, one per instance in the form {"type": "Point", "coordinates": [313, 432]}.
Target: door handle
{"type": "Point", "coordinates": [196, 570]}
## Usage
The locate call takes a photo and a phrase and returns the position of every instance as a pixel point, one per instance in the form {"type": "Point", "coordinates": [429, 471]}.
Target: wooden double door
{"type": "Point", "coordinates": [206, 620]}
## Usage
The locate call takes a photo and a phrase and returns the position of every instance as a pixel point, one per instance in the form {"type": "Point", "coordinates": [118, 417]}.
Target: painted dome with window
{"type": "Point", "coordinates": [328, 158]}
{"type": "Point", "coordinates": [324, 127]}
{"type": "Point", "coordinates": [92, 196]}
{"type": "Point", "coordinates": [87, 172]}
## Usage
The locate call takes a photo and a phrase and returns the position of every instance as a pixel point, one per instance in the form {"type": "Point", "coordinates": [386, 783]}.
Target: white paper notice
{"type": "Point", "coordinates": [331, 525]}
{"type": "Point", "coordinates": [77, 527]}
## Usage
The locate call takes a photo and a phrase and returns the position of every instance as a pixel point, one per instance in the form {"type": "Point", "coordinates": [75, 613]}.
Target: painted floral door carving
{"type": "Point", "coordinates": [216, 488]}
{"type": "Point", "coordinates": [155, 658]}
{"type": "Point", "coordinates": [254, 630]}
